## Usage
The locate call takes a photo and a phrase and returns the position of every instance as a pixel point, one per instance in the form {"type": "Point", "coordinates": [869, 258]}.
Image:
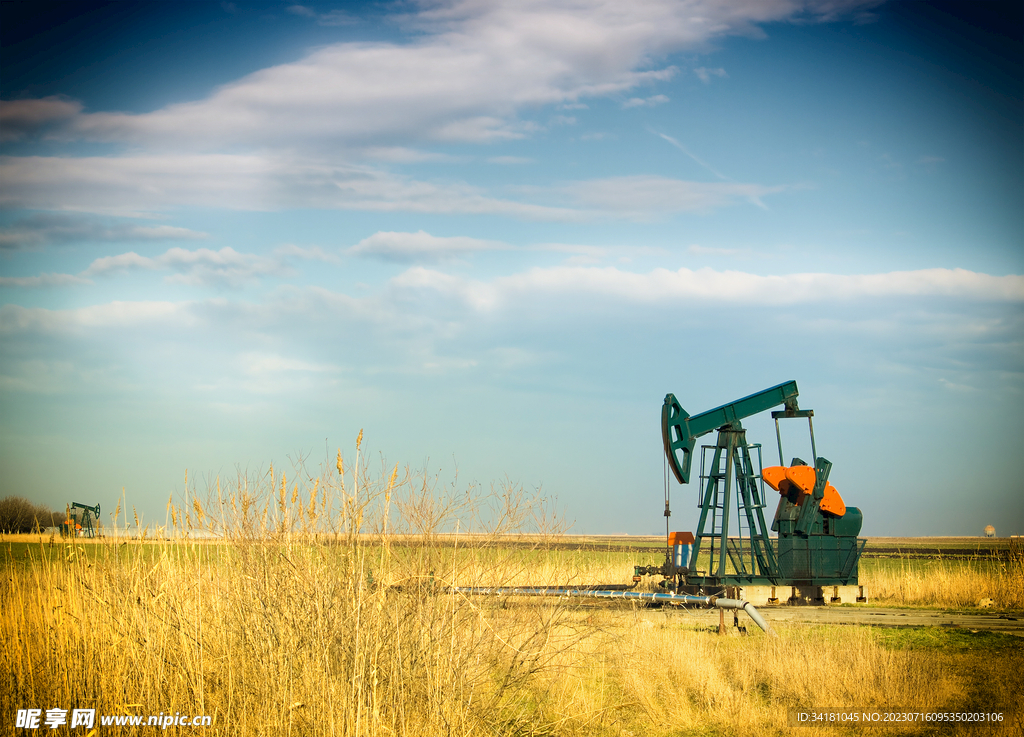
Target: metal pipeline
{"type": "Point", "coordinates": [707, 601]}
{"type": "Point", "coordinates": [748, 608]}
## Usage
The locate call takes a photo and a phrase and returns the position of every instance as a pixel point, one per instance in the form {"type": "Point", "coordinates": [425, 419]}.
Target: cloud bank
{"type": "Point", "coordinates": [711, 286]}
{"type": "Point", "coordinates": [473, 69]}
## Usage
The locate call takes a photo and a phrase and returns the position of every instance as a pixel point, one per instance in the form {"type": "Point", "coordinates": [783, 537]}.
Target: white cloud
{"type": "Point", "coordinates": [480, 296]}
{"type": "Point", "coordinates": [428, 319]}
{"type": "Point", "coordinates": [645, 101]}
{"type": "Point", "coordinates": [953, 386]}
{"type": "Point", "coordinates": [404, 155]}
{"type": "Point", "coordinates": [43, 280]}
{"type": "Point", "coordinates": [134, 184]}
{"type": "Point", "coordinates": [123, 262]}
{"type": "Point", "coordinates": [419, 246]}
{"type": "Point", "coordinates": [145, 184]}
{"type": "Point", "coordinates": [226, 266]}
{"type": "Point", "coordinates": [330, 18]}
{"type": "Point", "coordinates": [465, 76]}
{"type": "Point", "coordinates": [687, 151]}
{"type": "Point", "coordinates": [139, 185]}
{"type": "Point", "coordinates": [49, 228]}
{"type": "Point", "coordinates": [19, 118]}
{"type": "Point", "coordinates": [643, 197]}
{"type": "Point", "coordinates": [469, 71]}
{"type": "Point", "coordinates": [710, 286]}
{"type": "Point", "coordinates": [18, 319]}
{"type": "Point", "coordinates": [704, 74]}
{"type": "Point", "coordinates": [200, 267]}
{"type": "Point", "coordinates": [310, 253]}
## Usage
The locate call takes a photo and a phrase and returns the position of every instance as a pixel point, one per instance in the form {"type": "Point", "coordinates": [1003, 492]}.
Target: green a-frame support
{"type": "Point", "coordinates": [752, 554]}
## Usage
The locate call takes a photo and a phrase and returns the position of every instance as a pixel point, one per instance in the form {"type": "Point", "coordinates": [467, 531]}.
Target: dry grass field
{"type": "Point", "coordinates": [322, 609]}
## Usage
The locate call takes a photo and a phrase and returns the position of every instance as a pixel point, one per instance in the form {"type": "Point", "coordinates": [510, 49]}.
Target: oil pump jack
{"type": "Point", "coordinates": [816, 543]}
{"type": "Point", "coordinates": [76, 522]}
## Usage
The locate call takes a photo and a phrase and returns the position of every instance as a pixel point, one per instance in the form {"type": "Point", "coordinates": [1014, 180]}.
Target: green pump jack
{"type": "Point", "coordinates": [816, 543]}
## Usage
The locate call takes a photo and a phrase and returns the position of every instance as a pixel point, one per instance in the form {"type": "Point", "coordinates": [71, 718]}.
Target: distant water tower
{"type": "Point", "coordinates": [990, 531]}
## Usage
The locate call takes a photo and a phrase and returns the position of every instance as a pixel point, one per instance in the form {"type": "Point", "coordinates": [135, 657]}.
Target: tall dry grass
{"type": "Point", "coordinates": [650, 674]}
{"type": "Point", "coordinates": [949, 584]}
{"type": "Point", "coordinates": [299, 617]}
{"type": "Point", "coordinates": [322, 607]}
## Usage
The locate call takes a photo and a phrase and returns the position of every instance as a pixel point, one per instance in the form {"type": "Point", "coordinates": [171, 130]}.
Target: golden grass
{"type": "Point", "coordinates": [313, 614]}
{"type": "Point", "coordinates": [948, 584]}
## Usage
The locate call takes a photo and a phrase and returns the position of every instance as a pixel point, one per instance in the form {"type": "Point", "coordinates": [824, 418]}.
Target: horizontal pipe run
{"type": "Point", "coordinates": [707, 601]}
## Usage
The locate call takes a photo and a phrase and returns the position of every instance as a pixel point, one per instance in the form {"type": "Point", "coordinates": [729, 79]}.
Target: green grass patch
{"type": "Point", "coordinates": [946, 639]}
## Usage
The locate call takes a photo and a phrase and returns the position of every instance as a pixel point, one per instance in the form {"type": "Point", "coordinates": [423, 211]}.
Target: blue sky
{"type": "Point", "coordinates": [495, 235]}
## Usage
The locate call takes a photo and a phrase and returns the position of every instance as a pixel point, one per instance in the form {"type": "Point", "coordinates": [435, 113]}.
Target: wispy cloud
{"type": "Point", "coordinates": [330, 18]}
{"type": "Point", "coordinates": [468, 73]}
{"type": "Point", "coordinates": [43, 280]}
{"type": "Point", "coordinates": [705, 74]}
{"type": "Point", "coordinates": [202, 267]}
{"type": "Point", "coordinates": [226, 266]}
{"type": "Point", "coordinates": [419, 246]}
{"type": "Point", "coordinates": [39, 320]}
{"type": "Point", "coordinates": [121, 263]}
{"type": "Point", "coordinates": [708, 285]}
{"type": "Point", "coordinates": [146, 184]}
{"type": "Point", "coordinates": [645, 101]}
{"type": "Point", "coordinates": [405, 155]}
{"type": "Point", "coordinates": [149, 184]}
{"type": "Point", "coordinates": [54, 228]}
{"type": "Point", "coordinates": [645, 197]}
{"type": "Point", "coordinates": [21, 118]}
{"type": "Point", "coordinates": [687, 151]}
{"type": "Point", "coordinates": [473, 67]}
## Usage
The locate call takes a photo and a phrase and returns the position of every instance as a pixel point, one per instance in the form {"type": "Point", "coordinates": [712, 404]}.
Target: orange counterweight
{"type": "Point", "coordinates": [802, 477]}
{"type": "Point", "coordinates": [774, 475]}
{"type": "Point", "coordinates": [781, 478]}
{"type": "Point", "coordinates": [832, 502]}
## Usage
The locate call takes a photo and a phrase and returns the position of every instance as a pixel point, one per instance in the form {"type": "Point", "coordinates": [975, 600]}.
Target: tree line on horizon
{"type": "Point", "coordinates": [19, 515]}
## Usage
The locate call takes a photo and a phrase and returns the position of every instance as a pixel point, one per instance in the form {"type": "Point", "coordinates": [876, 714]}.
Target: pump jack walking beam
{"type": "Point", "coordinates": [680, 431]}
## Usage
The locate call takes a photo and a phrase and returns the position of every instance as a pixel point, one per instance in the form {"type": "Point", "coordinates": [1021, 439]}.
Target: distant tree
{"type": "Point", "coordinates": [18, 514]}
{"type": "Point", "coordinates": [47, 517]}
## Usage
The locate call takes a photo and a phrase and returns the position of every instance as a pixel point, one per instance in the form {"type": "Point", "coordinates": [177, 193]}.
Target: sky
{"type": "Point", "coordinates": [494, 235]}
